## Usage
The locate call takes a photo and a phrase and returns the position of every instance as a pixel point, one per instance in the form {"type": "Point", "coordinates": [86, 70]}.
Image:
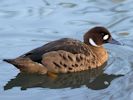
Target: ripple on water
{"type": "Point", "coordinates": [45, 11]}
{"type": "Point", "coordinates": [119, 60]}
{"type": "Point", "coordinates": [67, 5]}
{"type": "Point", "coordinates": [82, 22]}
{"type": "Point", "coordinates": [127, 42]}
{"type": "Point", "coordinates": [90, 9]}
{"type": "Point", "coordinates": [120, 8]}
{"type": "Point", "coordinates": [8, 13]}
{"type": "Point", "coordinates": [41, 11]}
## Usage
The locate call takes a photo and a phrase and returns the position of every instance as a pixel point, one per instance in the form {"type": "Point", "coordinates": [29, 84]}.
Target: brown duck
{"type": "Point", "coordinates": [67, 55]}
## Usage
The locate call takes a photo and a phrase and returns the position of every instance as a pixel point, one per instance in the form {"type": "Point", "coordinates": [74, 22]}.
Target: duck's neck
{"type": "Point", "coordinates": [100, 53]}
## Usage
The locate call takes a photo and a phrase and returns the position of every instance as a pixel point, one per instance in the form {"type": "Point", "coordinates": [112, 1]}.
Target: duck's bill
{"type": "Point", "coordinates": [113, 41]}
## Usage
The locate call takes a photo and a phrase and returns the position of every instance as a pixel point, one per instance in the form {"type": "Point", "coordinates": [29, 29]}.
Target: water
{"type": "Point", "coordinates": [26, 24]}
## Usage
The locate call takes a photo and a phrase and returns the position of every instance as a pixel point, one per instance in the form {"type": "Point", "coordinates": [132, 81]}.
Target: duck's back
{"type": "Point", "coordinates": [67, 44]}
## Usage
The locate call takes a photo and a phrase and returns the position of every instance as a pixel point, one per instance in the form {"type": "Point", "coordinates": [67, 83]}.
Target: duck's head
{"type": "Point", "coordinates": [98, 36]}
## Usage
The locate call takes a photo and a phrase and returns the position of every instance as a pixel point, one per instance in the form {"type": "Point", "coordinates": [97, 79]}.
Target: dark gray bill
{"type": "Point", "coordinates": [113, 41]}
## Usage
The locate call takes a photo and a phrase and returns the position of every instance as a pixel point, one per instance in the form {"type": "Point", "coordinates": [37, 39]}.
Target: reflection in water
{"type": "Point", "coordinates": [94, 79]}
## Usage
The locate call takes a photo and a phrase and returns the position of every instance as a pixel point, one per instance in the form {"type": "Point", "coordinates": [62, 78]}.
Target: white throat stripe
{"type": "Point", "coordinates": [92, 42]}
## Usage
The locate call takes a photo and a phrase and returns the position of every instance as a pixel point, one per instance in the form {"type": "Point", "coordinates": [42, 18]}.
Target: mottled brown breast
{"type": "Point", "coordinates": [62, 61]}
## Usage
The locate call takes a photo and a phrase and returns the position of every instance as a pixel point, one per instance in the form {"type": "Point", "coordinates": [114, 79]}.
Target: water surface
{"type": "Point", "coordinates": [26, 24]}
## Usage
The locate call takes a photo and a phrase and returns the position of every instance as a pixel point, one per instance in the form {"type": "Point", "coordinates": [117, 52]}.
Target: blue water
{"type": "Point", "coordinates": [27, 24]}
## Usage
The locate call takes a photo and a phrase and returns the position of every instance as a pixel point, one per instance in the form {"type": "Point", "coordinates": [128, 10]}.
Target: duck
{"type": "Point", "coordinates": [67, 55]}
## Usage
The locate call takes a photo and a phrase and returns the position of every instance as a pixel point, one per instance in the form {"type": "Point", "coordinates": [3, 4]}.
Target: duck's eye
{"type": "Point", "coordinates": [105, 37]}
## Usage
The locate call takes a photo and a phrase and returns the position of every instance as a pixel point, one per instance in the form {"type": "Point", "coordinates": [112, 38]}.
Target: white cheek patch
{"type": "Point", "coordinates": [92, 42]}
{"type": "Point", "coordinates": [105, 37]}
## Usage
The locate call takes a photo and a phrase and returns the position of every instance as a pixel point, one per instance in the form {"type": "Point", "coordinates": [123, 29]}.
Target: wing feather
{"type": "Point", "coordinates": [66, 44]}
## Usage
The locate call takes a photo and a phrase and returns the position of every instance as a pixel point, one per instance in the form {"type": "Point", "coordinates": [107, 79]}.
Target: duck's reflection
{"type": "Point", "coordinates": [94, 79]}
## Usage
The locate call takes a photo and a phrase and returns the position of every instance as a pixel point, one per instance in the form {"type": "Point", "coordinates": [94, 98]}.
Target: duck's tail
{"type": "Point", "coordinates": [27, 65]}
{"type": "Point", "coordinates": [19, 63]}
{"type": "Point", "coordinates": [11, 61]}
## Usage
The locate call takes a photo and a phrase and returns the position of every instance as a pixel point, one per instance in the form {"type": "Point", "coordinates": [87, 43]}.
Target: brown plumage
{"type": "Point", "coordinates": [66, 55]}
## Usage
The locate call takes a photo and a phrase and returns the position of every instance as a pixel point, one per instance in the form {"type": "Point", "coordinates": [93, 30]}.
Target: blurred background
{"type": "Point", "coordinates": [27, 24]}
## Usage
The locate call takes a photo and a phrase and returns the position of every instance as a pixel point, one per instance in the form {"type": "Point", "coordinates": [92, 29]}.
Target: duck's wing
{"type": "Point", "coordinates": [66, 44]}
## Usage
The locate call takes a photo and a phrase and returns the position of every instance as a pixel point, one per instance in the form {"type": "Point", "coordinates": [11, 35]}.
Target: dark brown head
{"type": "Point", "coordinates": [98, 36]}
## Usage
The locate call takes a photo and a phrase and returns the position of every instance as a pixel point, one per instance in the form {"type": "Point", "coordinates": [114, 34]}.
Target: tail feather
{"type": "Point", "coordinates": [19, 62]}
{"type": "Point", "coordinates": [11, 61]}
{"type": "Point", "coordinates": [14, 62]}
{"type": "Point", "coordinates": [27, 65]}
